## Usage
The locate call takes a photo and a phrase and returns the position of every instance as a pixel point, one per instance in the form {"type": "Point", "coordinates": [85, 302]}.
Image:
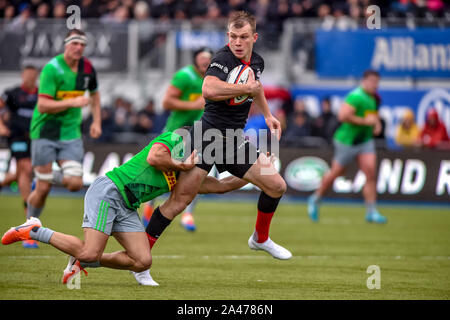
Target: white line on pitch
{"type": "Point", "coordinates": [235, 257]}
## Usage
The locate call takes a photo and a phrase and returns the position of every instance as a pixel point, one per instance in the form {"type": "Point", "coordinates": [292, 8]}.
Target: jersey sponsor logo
{"type": "Point", "coordinates": [219, 66]}
{"type": "Point", "coordinates": [171, 179]}
{"type": "Point", "coordinates": [63, 95]}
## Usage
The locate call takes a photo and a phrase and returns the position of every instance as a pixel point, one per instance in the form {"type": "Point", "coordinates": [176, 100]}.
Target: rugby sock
{"type": "Point", "coordinates": [95, 264]}
{"type": "Point", "coordinates": [41, 234]}
{"type": "Point", "coordinates": [33, 211]}
{"type": "Point", "coordinates": [266, 208]}
{"type": "Point", "coordinates": [158, 223]}
{"type": "Point", "coordinates": [370, 207]}
{"type": "Point", "coordinates": [315, 198]}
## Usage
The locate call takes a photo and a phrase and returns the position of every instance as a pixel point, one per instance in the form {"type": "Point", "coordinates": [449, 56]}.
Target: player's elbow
{"type": "Point", "coordinates": [152, 161]}
{"type": "Point", "coordinates": [41, 107]}
{"type": "Point", "coordinates": [208, 93]}
{"type": "Point", "coordinates": [167, 105]}
{"type": "Point", "coordinates": [342, 117]}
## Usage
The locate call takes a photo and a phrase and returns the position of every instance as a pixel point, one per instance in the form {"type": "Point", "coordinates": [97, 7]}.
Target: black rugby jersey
{"type": "Point", "coordinates": [220, 114]}
{"type": "Point", "coordinates": [20, 103]}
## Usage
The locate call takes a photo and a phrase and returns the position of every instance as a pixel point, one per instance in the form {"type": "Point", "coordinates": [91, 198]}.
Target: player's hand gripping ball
{"type": "Point", "coordinates": [239, 75]}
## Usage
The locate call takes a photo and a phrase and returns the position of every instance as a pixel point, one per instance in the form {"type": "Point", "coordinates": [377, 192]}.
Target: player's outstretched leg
{"type": "Point", "coordinates": [264, 175]}
{"type": "Point", "coordinates": [367, 164]}
{"type": "Point", "coordinates": [327, 181]}
{"type": "Point", "coordinates": [22, 232]}
{"type": "Point", "coordinates": [313, 207]}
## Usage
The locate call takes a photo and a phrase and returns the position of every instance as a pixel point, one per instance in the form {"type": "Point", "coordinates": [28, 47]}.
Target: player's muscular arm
{"type": "Point", "coordinates": [272, 123]}
{"type": "Point", "coordinates": [217, 90]}
{"type": "Point", "coordinates": [171, 101]}
{"type": "Point", "coordinates": [47, 105]}
{"type": "Point", "coordinates": [213, 185]}
{"type": "Point", "coordinates": [347, 114]}
{"type": "Point", "coordinates": [96, 127]}
{"type": "Point", "coordinates": [160, 158]}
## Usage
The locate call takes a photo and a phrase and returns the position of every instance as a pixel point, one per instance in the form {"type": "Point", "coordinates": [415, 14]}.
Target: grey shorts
{"type": "Point", "coordinates": [345, 154]}
{"type": "Point", "coordinates": [44, 151]}
{"type": "Point", "coordinates": [105, 210]}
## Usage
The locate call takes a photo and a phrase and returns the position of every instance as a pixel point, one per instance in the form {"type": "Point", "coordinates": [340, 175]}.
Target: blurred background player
{"type": "Point", "coordinates": [20, 102]}
{"type": "Point", "coordinates": [354, 140]}
{"type": "Point", "coordinates": [184, 99]}
{"type": "Point", "coordinates": [55, 127]}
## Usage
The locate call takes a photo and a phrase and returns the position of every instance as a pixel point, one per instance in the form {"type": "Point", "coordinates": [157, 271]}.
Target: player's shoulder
{"type": "Point", "coordinates": [168, 136]}
{"type": "Point", "coordinates": [187, 72]}
{"type": "Point", "coordinates": [257, 58]}
{"type": "Point", "coordinates": [10, 92]}
{"type": "Point", "coordinates": [13, 90]}
{"type": "Point", "coordinates": [355, 96]}
{"type": "Point", "coordinates": [54, 65]}
{"type": "Point", "coordinates": [356, 93]}
{"type": "Point", "coordinates": [88, 67]}
{"type": "Point", "coordinates": [224, 55]}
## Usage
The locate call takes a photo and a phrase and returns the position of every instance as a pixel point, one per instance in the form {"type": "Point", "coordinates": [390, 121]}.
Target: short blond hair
{"type": "Point", "coordinates": [238, 19]}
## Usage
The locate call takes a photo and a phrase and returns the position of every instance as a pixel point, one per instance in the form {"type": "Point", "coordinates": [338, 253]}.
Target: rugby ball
{"type": "Point", "coordinates": [239, 75]}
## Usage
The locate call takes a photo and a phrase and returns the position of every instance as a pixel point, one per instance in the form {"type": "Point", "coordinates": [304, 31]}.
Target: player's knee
{"type": "Point", "coordinates": [43, 188]}
{"type": "Point", "coordinates": [144, 263]}
{"type": "Point", "coordinates": [370, 175]}
{"type": "Point", "coordinates": [74, 184]}
{"type": "Point", "coordinates": [89, 256]}
{"type": "Point", "coordinates": [279, 187]}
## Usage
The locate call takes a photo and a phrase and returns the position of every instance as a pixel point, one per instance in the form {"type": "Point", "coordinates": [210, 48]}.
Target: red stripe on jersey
{"type": "Point", "coordinates": [163, 145]}
{"type": "Point", "coordinates": [46, 96]}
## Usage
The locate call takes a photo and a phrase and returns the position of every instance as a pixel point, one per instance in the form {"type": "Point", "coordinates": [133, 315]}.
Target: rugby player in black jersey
{"type": "Point", "coordinates": [228, 118]}
{"type": "Point", "coordinates": [20, 102]}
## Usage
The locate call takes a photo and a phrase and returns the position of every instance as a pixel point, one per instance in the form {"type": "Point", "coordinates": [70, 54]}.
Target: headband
{"type": "Point", "coordinates": [76, 37]}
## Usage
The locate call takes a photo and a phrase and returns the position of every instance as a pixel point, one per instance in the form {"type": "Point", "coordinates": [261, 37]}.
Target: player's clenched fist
{"type": "Point", "coordinates": [254, 87]}
{"type": "Point", "coordinates": [80, 101]}
{"type": "Point", "coordinates": [190, 162]}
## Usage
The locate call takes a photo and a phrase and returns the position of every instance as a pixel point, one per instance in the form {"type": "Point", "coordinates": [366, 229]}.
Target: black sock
{"type": "Point", "coordinates": [157, 224]}
{"type": "Point", "coordinates": [267, 204]}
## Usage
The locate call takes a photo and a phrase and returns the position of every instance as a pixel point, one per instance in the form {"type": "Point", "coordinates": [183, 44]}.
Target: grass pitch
{"type": "Point", "coordinates": [330, 258]}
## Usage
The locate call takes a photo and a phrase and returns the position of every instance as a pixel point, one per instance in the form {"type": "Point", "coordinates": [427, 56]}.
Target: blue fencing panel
{"type": "Point", "coordinates": [393, 52]}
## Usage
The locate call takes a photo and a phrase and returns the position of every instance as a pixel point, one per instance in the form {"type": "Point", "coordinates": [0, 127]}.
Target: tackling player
{"type": "Point", "coordinates": [222, 116]}
{"type": "Point", "coordinates": [354, 140]}
{"type": "Point", "coordinates": [55, 127]}
{"type": "Point", "coordinates": [110, 209]}
{"type": "Point", "coordinates": [184, 99]}
{"type": "Point", "coordinates": [20, 102]}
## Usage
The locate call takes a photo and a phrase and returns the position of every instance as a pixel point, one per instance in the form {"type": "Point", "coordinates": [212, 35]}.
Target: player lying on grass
{"type": "Point", "coordinates": [110, 209]}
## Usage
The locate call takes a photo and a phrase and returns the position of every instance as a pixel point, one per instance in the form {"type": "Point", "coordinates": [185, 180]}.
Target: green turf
{"type": "Point", "coordinates": [330, 257]}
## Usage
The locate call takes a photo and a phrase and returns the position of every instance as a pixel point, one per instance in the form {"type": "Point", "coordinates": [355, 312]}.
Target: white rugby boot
{"type": "Point", "coordinates": [144, 278]}
{"type": "Point", "coordinates": [270, 247]}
